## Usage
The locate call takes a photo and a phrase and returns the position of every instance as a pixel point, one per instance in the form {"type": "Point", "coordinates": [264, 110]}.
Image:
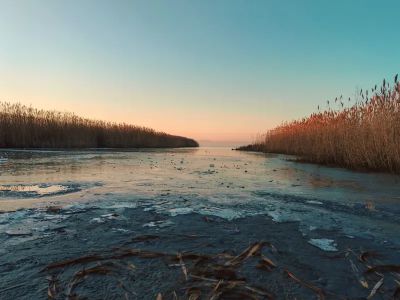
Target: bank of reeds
{"type": "Point", "coordinates": [26, 127]}
{"type": "Point", "coordinates": [364, 135]}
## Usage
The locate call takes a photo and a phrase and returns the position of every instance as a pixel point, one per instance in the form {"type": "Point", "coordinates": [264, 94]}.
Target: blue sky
{"type": "Point", "coordinates": [213, 70]}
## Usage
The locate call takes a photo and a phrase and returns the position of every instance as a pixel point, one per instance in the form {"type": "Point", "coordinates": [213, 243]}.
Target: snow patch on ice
{"type": "Point", "coordinates": [324, 244]}
{"type": "Point", "coordinates": [121, 205]}
{"type": "Point", "coordinates": [281, 216]}
{"type": "Point", "coordinates": [180, 211]}
{"type": "Point", "coordinates": [97, 220]}
{"type": "Point", "coordinates": [224, 213]}
{"type": "Point", "coordinates": [104, 218]}
{"type": "Point", "coordinates": [40, 190]}
{"type": "Point", "coordinates": [160, 224]}
{"type": "Point", "coordinates": [314, 202]}
{"type": "Point", "coordinates": [35, 189]}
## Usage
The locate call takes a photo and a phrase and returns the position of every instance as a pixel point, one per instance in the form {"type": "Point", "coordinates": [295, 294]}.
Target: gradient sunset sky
{"type": "Point", "coordinates": [211, 70]}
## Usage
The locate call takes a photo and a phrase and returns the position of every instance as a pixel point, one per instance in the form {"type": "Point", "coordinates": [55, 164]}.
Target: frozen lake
{"type": "Point", "coordinates": [210, 181]}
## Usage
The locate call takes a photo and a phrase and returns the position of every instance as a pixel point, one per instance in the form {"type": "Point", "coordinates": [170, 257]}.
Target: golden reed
{"type": "Point", "coordinates": [26, 127]}
{"type": "Point", "coordinates": [365, 135]}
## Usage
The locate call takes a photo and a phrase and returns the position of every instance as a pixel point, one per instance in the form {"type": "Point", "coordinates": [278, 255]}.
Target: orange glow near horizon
{"type": "Point", "coordinates": [202, 126]}
{"type": "Point", "coordinates": [211, 123]}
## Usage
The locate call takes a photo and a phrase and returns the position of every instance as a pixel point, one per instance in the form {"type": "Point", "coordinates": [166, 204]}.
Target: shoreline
{"type": "Point", "coordinates": [4, 149]}
{"type": "Point", "coordinates": [299, 159]}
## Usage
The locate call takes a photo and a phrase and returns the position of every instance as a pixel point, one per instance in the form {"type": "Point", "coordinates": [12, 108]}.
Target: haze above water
{"type": "Point", "coordinates": [210, 181]}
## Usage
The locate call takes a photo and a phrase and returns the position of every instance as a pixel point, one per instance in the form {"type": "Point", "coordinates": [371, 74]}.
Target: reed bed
{"type": "Point", "coordinates": [359, 134]}
{"type": "Point", "coordinates": [26, 127]}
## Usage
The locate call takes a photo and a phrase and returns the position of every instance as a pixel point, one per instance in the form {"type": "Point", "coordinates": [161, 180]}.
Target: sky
{"type": "Point", "coordinates": [220, 71]}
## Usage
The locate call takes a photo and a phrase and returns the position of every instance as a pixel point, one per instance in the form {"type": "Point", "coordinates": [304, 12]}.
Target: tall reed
{"type": "Point", "coordinates": [26, 127]}
{"type": "Point", "coordinates": [365, 135]}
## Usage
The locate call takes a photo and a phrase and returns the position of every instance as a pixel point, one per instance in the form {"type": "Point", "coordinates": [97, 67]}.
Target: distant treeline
{"type": "Point", "coordinates": [26, 127]}
{"type": "Point", "coordinates": [364, 134]}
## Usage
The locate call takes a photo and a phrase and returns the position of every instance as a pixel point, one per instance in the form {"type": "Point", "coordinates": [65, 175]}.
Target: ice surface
{"type": "Point", "coordinates": [210, 181]}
